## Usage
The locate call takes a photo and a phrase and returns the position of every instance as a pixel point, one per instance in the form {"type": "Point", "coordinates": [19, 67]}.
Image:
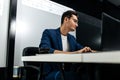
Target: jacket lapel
{"type": "Point", "coordinates": [71, 48]}
{"type": "Point", "coordinates": [59, 41]}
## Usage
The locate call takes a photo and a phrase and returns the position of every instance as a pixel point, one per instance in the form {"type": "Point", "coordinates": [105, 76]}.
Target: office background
{"type": "Point", "coordinates": [28, 34]}
{"type": "Point", "coordinates": [31, 20]}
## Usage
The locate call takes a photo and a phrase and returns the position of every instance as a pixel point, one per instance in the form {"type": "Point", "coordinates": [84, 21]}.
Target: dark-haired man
{"type": "Point", "coordinates": [60, 41]}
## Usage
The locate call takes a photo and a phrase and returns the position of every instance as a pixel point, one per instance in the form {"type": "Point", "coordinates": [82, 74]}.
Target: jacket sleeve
{"type": "Point", "coordinates": [45, 41]}
{"type": "Point", "coordinates": [74, 44]}
{"type": "Point", "coordinates": [78, 45]}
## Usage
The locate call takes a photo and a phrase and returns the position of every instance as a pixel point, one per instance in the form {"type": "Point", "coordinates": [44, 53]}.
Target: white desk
{"type": "Point", "coordinates": [101, 57]}
{"type": "Point", "coordinates": [54, 58]}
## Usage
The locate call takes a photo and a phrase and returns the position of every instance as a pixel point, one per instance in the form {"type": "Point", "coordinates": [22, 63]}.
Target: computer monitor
{"type": "Point", "coordinates": [110, 33]}
{"type": "Point", "coordinates": [88, 32]}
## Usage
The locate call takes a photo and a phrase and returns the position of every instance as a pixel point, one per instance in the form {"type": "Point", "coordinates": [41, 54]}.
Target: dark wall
{"type": "Point", "coordinates": [92, 7]}
{"type": "Point", "coordinates": [111, 9]}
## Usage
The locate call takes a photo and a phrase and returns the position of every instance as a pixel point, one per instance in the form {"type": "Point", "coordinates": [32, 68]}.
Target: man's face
{"type": "Point", "coordinates": [72, 23]}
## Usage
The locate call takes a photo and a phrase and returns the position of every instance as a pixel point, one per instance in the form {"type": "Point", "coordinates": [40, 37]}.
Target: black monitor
{"type": "Point", "coordinates": [110, 33]}
{"type": "Point", "coordinates": [88, 32]}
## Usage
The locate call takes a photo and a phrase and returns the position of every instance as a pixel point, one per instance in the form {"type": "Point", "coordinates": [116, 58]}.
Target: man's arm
{"type": "Point", "coordinates": [45, 41]}
{"type": "Point", "coordinates": [83, 50]}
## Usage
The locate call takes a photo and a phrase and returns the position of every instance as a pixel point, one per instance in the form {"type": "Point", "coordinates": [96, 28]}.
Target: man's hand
{"type": "Point", "coordinates": [85, 49]}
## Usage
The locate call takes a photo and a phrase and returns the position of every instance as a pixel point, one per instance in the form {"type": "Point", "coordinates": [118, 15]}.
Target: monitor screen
{"type": "Point", "coordinates": [88, 32]}
{"type": "Point", "coordinates": [110, 33]}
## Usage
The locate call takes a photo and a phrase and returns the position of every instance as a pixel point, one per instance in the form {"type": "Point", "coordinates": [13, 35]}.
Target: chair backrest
{"type": "Point", "coordinates": [29, 51]}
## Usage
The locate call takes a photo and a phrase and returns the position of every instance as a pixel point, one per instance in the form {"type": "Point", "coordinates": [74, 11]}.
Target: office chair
{"type": "Point", "coordinates": [37, 66]}
{"type": "Point", "coordinates": [31, 51]}
{"type": "Point", "coordinates": [31, 70]}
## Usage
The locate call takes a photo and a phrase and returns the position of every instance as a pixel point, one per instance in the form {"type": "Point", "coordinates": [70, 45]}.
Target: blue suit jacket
{"type": "Point", "coordinates": [51, 39]}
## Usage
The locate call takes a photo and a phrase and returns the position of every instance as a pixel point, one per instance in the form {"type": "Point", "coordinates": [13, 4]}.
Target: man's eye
{"type": "Point", "coordinates": [75, 21]}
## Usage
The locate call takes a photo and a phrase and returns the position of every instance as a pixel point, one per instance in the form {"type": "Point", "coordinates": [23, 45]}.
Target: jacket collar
{"type": "Point", "coordinates": [60, 40]}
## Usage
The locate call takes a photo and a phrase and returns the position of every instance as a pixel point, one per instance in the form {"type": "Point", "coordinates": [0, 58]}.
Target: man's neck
{"type": "Point", "coordinates": [64, 31]}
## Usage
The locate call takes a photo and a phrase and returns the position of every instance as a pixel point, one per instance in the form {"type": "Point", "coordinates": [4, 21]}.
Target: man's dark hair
{"type": "Point", "coordinates": [68, 14]}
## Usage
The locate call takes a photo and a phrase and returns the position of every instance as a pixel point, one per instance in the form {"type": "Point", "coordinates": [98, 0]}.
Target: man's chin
{"type": "Point", "coordinates": [73, 29]}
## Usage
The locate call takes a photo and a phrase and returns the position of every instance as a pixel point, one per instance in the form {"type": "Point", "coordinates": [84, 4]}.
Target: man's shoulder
{"type": "Point", "coordinates": [51, 30]}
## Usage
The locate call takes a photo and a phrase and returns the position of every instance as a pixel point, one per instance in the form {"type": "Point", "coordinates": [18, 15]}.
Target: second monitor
{"type": "Point", "coordinates": [110, 33]}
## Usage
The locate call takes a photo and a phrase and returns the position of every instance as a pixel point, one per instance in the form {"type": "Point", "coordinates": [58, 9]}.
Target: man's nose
{"type": "Point", "coordinates": [76, 24]}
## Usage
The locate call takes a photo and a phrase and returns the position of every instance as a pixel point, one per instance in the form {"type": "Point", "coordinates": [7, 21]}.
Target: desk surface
{"type": "Point", "coordinates": [53, 58]}
{"type": "Point", "coordinates": [100, 57]}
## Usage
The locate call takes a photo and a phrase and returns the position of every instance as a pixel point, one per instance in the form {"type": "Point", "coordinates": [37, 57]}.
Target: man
{"type": "Point", "coordinates": [59, 40]}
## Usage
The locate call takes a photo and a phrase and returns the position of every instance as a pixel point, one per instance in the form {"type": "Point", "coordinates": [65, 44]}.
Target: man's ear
{"type": "Point", "coordinates": [65, 19]}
